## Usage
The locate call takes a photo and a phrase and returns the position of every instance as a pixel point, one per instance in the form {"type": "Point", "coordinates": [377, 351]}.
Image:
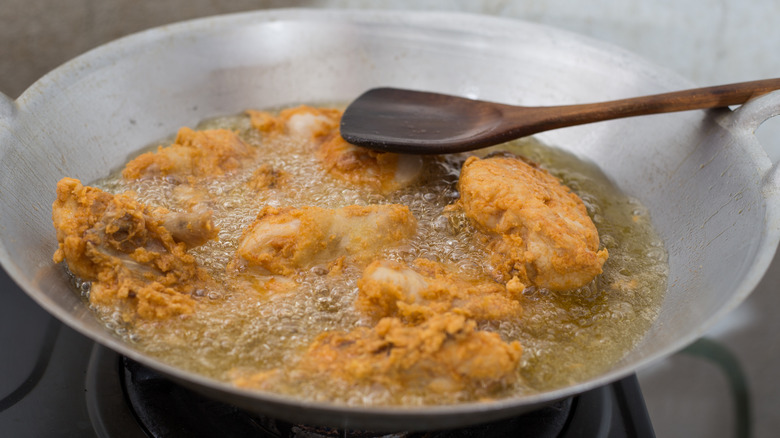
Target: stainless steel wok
{"type": "Point", "coordinates": [710, 187]}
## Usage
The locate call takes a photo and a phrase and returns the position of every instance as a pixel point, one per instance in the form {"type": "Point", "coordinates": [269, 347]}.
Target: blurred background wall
{"type": "Point", "coordinates": [707, 41]}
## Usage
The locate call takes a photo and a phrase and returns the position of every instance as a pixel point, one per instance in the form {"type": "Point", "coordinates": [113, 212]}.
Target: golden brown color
{"type": "Point", "coordinates": [382, 172]}
{"type": "Point", "coordinates": [193, 154]}
{"type": "Point", "coordinates": [128, 251]}
{"type": "Point", "coordinates": [302, 122]}
{"type": "Point", "coordinates": [445, 354]}
{"type": "Point", "coordinates": [319, 129]}
{"type": "Point", "coordinates": [283, 240]}
{"type": "Point", "coordinates": [418, 292]}
{"type": "Point", "coordinates": [539, 230]}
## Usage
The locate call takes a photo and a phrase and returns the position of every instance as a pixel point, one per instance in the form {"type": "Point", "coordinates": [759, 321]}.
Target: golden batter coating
{"type": "Point", "coordinates": [135, 256]}
{"type": "Point", "coordinates": [283, 240]}
{"type": "Point", "coordinates": [444, 354]}
{"type": "Point", "coordinates": [383, 172]}
{"type": "Point", "coordinates": [378, 171]}
{"type": "Point", "coordinates": [540, 231]}
{"type": "Point", "coordinates": [428, 288]}
{"type": "Point", "coordinates": [267, 177]}
{"type": "Point", "coordinates": [303, 122]}
{"type": "Point", "coordinates": [194, 154]}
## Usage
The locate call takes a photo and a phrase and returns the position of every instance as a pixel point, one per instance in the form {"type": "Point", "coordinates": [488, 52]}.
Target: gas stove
{"type": "Point", "coordinates": [60, 383]}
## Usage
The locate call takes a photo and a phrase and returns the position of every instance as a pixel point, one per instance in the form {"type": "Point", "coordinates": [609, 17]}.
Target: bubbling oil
{"type": "Point", "coordinates": [567, 336]}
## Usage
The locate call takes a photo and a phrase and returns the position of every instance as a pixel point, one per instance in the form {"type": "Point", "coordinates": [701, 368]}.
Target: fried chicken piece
{"type": "Point", "coordinates": [194, 154]}
{"type": "Point", "coordinates": [444, 354]}
{"type": "Point", "coordinates": [135, 256]}
{"type": "Point", "coordinates": [383, 172]}
{"type": "Point", "coordinates": [428, 288]}
{"type": "Point", "coordinates": [300, 122]}
{"type": "Point", "coordinates": [540, 231]}
{"type": "Point", "coordinates": [283, 240]}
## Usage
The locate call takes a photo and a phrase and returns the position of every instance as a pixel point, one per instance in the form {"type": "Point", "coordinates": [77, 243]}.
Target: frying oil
{"type": "Point", "coordinates": [567, 336]}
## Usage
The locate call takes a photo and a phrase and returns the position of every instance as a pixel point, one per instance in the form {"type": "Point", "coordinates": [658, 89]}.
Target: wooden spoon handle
{"type": "Point", "coordinates": [700, 98]}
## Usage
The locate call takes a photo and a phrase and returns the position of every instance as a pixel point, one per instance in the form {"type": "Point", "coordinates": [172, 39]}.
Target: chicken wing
{"type": "Point", "coordinates": [283, 240]}
{"type": "Point", "coordinates": [135, 256]}
{"type": "Point", "coordinates": [539, 230]}
{"type": "Point", "coordinates": [193, 154]}
{"type": "Point", "coordinates": [444, 354]}
{"type": "Point", "coordinates": [428, 288]}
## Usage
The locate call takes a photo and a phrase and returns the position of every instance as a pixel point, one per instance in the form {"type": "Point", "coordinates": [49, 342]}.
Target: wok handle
{"type": "Point", "coordinates": [748, 117]}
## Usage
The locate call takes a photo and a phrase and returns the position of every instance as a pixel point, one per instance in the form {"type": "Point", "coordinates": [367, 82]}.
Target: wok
{"type": "Point", "coordinates": [709, 185]}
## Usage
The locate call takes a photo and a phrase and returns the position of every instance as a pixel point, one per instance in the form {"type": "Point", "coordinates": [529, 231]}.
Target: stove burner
{"type": "Point", "coordinates": [159, 407]}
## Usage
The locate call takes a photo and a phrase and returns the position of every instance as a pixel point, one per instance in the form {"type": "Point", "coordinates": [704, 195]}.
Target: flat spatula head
{"type": "Point", "coordinates": [417, 122]}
